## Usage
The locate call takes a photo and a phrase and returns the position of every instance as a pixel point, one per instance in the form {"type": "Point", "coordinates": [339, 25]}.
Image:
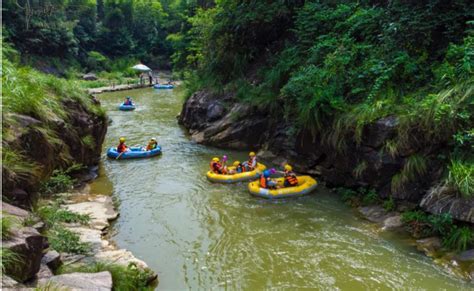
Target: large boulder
{"type": "Point", "coordinates": [442, 198]}
{"type": "Point", "coordinates": [89, 77]}
{"type": "Point", "coordinates": [219, 121]}
{"type": "Point", "coordinates": [52, 259]}
{"type": "Point", "coordinates": [27, 244]}
{"type": "Point", "coordinates": [101, 281]}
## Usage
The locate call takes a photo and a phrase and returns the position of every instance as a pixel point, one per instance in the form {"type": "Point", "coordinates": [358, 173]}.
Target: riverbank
{"type": "Point", "coordinates": [68, 270]}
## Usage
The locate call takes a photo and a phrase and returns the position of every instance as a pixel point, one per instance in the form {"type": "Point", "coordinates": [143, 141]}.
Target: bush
{"type": "Point", "coordinates": [389, 205]}
{"type": "Point", "coordinates": [459, 238]}
{"type": "Point", "coordinates": [441, 223]}
{"type": "Point", "coordinates": [461, 176]}
{"type": "Point", "coordinates": [97, 61]}
{"type": "Point", "coordinates": [7, 224]}
{"type": "Point", "coordinates": [369, 197]}
{"type": "Point", "coordinates": [124, 277]}
{"type": "Point", "coordinates": [57, 183]}
{"type": "Point", "coordinates": [64, 240]}
{"type": "Point", "coordinates": [52, 215]}
{"type": "Point", "coordinates": [349, 196]}
{"type": "Point", "coordinates": [8, 258]}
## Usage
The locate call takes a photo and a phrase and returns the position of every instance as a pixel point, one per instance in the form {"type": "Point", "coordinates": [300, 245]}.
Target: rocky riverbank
{"type": "Point", "coordinates": [39, 263]}
{"type": "Point", "coordinates": [220, 120]}
{"type": "Point", "coordinates": [368, 162]}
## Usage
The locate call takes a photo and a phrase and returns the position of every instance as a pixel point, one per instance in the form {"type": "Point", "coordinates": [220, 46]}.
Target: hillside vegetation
{"type": "Point", "coordinates": [332, 67]}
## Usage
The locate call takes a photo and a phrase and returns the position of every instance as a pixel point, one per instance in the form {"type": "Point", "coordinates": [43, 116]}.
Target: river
{"type": "Point", "coordinates": [200, 235]}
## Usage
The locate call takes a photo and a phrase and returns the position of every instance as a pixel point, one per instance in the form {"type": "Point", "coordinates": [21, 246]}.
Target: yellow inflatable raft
{"type": "Point", "coordinates": [306, 184]}
{"type": "Point", "coordinates": [219, 178]}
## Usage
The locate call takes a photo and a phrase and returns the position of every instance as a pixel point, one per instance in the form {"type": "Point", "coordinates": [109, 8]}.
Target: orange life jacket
{"type": "Point", "coordinates": [263, 181]}
{"type": "Point", "coordinates": [151, 146]}
{"type": "Point", "coordinates": [291, 178]}
{"type": "Point", "coordinates": [121, 147]}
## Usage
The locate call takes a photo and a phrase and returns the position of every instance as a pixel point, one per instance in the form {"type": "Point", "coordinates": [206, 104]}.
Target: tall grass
{"type": "Point", "coordinates": [124, 277]}
{"type": "Point", "coordinates": [461, 176]}
{"type": "Point", "coordinates": [9, 258]}
{"type": "Point", "coordinates": [8, 222]}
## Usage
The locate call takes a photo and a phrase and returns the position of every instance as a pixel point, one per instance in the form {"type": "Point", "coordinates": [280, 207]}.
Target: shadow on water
{"type": "Point", "coordinates": [199, 235]}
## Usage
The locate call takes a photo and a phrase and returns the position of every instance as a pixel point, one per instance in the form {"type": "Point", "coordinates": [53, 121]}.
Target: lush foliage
{"type": "Point", "coordinates": [64, 240]}
{"type": "Point", "coordinates": [454, 237]}
{"type": "Point", "coordinates": [97, 35]}
{"type": "Point", "coordinates": [57, 183]}
{"type": "Point", "coordinates": [124, 277]}
{"type": "Point", "coordinates": [461, 176]}
{"type": "Point", "coordinates": [361, 196]}
{"type": "Point", "coordinates": [332, 67]}
{"type": "Point", "coordinates": [8, 258]}
{"type": "Point", "coordinates": [8, 222]}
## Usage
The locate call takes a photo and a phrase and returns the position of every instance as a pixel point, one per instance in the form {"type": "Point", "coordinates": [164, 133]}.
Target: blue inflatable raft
{"type": "Point", "coordinates": [163, 86]}
{"type": "Point", "coordinates": [134, 153]}
{"type": "Point", "coordinates": [124, 107]}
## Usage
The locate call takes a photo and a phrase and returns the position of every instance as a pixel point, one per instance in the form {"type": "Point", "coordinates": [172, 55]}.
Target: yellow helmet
{"type": "Point", "coordinates": [288, 167]}
{"type": "Point", "coordinates": [252, 154]}
{"type": "Point", "coordinates": [122, 139]}
{"type": "Point", "coordinates": [236, 163]}
{"type": "Point", "coordinates": [216, 159]}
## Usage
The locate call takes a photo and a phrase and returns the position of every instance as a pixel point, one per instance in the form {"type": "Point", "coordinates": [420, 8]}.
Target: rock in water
{"type": "Point", "coordinates": [27, 243]}
{"type": "Point", "coordinates": [392, 222]}
{"type": "Point", "coordinates": [81, 281]}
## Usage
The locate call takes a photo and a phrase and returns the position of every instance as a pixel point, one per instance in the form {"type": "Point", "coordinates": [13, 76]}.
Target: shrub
{"type": "Point", "coordinates": [7, 224]}
{"type": "Point", "coordinates": [459, 238]}
{"type": "Point", "coordinates": [64, 240]}
{"type": "Point", "coordinates": [441, 223]}
{"type": "Point", "coordinates": [124, 277]}
{"type": "Point", "coordinates": [461, 176]}
{"type": "Point", "coordinates": [57, 183]}
{"type": "Point", "coordinates": [389, 205]}
{"type": "Point", "coordinates": [369, 197]}
{"type": "Point", "coordinates": [414, 216]}
{"type": "Point", "coordinates": [8, 258]}
{"type": "Point", "coordinates": [349, 196]}
{"type": "Point", "coordinates": [53, 214]}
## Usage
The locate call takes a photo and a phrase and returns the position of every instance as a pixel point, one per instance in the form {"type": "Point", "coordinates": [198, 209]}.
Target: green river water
{"type": "Point", "coordinates": [199, 235]}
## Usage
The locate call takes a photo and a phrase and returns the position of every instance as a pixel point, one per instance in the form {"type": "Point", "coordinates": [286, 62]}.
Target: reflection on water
{"type": "Point", "coordinates": [199, 235]}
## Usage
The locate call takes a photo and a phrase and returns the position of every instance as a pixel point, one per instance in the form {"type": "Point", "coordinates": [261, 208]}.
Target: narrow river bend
{"type": "Point", "coordinates": [199, 235]}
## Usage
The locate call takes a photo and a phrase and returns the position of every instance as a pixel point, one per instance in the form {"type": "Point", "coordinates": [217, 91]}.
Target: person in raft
{"type": "Point", "coordinates": [251, 164]}
{"type": "Point", "coordinates": [122, 147]}
{"type": "Point", "coordinates": [152, 144]}
{"type": "Point", "coordinates": [266, 181]}
{"type": "Point", "coordinates": [238, 168]}
{"type": "Point", "coordinates": [128, 101]}
{"type": "Point", "coordinates": [217, 167]}
{"type": "Point", "coordinates": [290, 177]}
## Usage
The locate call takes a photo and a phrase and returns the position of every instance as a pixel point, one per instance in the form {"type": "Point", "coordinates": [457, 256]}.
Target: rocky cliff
{"type": "Point", "coordinates": [49, 144]}
{"type": "Point", "coordinates": [222, 121]}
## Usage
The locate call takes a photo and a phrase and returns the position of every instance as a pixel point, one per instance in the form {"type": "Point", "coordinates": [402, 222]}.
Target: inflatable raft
{"type": "Point", "coordinates": [219, 178]}
{"type": "Point", "coordinates": [163, 86]}
{"type": "Point", "coordinates": [124, 107]}
{"type": "Point", "coordinates": [134, 153]}
{"type": "Point", "coordinates": [306, 184]}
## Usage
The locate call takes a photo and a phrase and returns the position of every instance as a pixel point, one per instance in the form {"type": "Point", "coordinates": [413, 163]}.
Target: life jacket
{"type": "Point", "coordinates": [250, 162]}
{"type": "Point", "coordinates": [263, 181]}
{"type": "Point", "coordinates": [240, 168]}
{"type": "Point", "coordinates": [150, 147]}
{"type": "Point", "coordinates": [290, 177]}
{"type": "Point", "coordinates": [216, 167]}
{"type": "Point", "coordinates": [127, 102]}
{"type": "Point", "coordinates": [121, 147]}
